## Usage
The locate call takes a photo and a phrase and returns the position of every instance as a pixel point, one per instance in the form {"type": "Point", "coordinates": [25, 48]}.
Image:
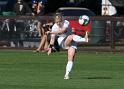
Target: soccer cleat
{"type": "Point", "coordinates": [49, 51]}
{"type": "Point", "coordinates": [66, 77]}
{"type": "Point", "coordinates": [77, 38]}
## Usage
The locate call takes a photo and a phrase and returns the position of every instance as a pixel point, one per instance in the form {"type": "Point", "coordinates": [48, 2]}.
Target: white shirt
{"type": "Point", "coordinates": [64, 24]}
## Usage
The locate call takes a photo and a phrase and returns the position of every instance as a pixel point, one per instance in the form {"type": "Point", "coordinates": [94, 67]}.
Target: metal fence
{"type": "Point", "coordinates": [16, 31]}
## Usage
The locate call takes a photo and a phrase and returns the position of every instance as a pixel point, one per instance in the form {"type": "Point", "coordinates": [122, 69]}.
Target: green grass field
{"type": "Point", "coordinates": [28, 70]}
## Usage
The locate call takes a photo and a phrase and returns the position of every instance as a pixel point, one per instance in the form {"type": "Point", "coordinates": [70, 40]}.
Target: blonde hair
{"type": "Point", "coordinates": [58, 17]}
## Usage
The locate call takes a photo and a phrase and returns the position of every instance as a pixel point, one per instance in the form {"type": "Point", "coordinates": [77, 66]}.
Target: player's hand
{"type": "Point", "coordinates": [73, 31]}
{"type": "Point", "coordinates": [38, 11]}
{"type": "Point", "coordinates": [33, 14]}
{"type": "Point", "coordinates": [48, 32]}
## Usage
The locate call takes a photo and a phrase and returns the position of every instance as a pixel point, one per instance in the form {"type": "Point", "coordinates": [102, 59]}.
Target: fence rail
{"type": "Point", "coordinates": [103, 18]}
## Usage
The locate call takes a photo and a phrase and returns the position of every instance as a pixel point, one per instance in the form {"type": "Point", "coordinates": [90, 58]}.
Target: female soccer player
{"type": "Point", "coordinates": [66, 40]}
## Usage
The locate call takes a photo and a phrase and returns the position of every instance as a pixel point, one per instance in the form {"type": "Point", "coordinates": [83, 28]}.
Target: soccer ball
{"type": "Point", "coordinates": [84, 20]}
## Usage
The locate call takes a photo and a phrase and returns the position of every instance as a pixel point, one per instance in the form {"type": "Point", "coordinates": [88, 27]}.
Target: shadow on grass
{"type": "Point", "coordinates": [99, 77]}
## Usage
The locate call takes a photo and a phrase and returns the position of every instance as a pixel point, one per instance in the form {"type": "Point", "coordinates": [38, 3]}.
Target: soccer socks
{"type": "Point", "coordinates": [77, 38]}
{"type": "Point", "coordinates": [68, 67]}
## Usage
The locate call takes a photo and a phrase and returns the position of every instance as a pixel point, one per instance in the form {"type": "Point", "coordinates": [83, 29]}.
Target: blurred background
{"type": "Point", "coordinates": [23, 33]}
{"type": "Point", "coordinates": [53, 5]}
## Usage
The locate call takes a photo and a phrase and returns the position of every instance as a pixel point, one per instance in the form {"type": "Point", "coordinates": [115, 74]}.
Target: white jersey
{"type": "Point", "coordinates": [65, 24]}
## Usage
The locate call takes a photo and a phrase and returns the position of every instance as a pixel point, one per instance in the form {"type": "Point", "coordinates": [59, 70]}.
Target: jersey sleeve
{"type": "Point", "coordinates": [54, 28]}
{"type": "Point", "coordinates": [66, 24]}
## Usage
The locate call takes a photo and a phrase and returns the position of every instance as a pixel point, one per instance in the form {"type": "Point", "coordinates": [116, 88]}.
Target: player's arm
{"type": "Point", "coordinates": [60, 31]}
{"type": "Point", "coordinates": [63, 29]}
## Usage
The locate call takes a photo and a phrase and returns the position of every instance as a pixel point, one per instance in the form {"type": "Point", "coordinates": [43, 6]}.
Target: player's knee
{"type": "Point", "coordinates": [68, 41]}
{"type": "Point", "coordinates": [45, 36]}
{"type": "Point", "coordinates": [71, 52]}
{"type": "Point", "coordinates": [70, 37]}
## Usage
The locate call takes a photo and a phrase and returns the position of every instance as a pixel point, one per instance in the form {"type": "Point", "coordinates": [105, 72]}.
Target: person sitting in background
{"type": "Point", "coordinates": [36, 12]}
{"type": "Point", "coordinates": [44, 38]}
{"type": "Point", "coordinates": [34, 7]}
{"type": "Point", "coordinates": [40, 8]}
{"type": "Point", "coordinates": [37, 8]}
{"type": "Point", "coordinates": [21, 8]}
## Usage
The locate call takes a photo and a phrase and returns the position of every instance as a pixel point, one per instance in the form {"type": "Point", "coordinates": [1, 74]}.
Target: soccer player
{"type": "Point", "coordinates": [66, 40]}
